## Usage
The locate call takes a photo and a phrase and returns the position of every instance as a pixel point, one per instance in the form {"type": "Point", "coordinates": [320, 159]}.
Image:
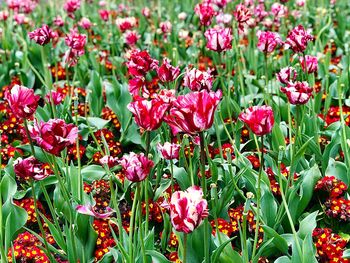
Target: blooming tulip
{"type": "Point", "coordinates": [206, 12]}
{"type": "Point", "coordinates": [167, 72]}
{"type": "Point", "coordinates": [91, 211]}
{"type": "Point", "coordinates": [298, 92]}
{"type": "Point", "coordinates": [42, 35]}
{"type": "Point", "coordinates": [259, 119]}
{"type": "Point", "coordinates": [198, 80]}
{"type": "Point", "coordinates": [268, 41]}
{"type": "Point", "coordinates": [169, 150]}
{"type": "Point", "coordinates": [136, 166]}
{"type": "Point", "coordinates": [55, 135]}
{"type": "Point", "coordinates": [298, 38]}
{"type": "Point", "coordinates": [140, 62]}
{"type": "Point", "coordinates": [194, 112]}
{"type": "Point", "coordinates": [286, 75]}
{"type": "Point", "coordinates": [219, 39]}
{"type": "Point", "coordinates": [22, 101]}
{"type": "Point", "coordinates": [148, 113]}
{"type": "Point", "coordinates": [29, 168]}
{"type": "Point", "coordinates": [311, 64]}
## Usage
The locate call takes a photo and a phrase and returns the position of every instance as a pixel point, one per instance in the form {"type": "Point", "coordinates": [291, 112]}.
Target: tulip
{"type": "Point", "coordinates": [286, 75]}
{"type": "Point", "coordinates": [71, 5]}
{"type": "Point", "coordinates": [140, 62]}
{"type": "Point", "coordinates": [298, 38]}
{"type": "Point", "coordinates": [198, 80]}
{"type": "Point", "coordinates": [108, 160]}
{"type": "Point", "coordinates": [131, 37]}
{"type": "Point", "coordinates": [166, 27]}
{"type": "Point", "coordinates": [188, 209]}
{"type": "Point", "coordinates": [85, 23]}
{"type": "Point", "coordinates": [278, 10]}
{"type": "Point", "coordinates": [57, 97]}
{"type": "Point", "coordinates": [219, 39]}
{"type": "Point", "coordinates": [167, 72]}
{"type": "Point", "coordinates": [22, 101]}
{"type": "Point", "coordinates": [126, 23]}
{"type": "Point", "coordinates": [29, 168]}
{"type": "Point", "coordinates": [311, 64]}
{"type": "Point", "coordinates": [148, 113]}
{"type": "Point", "coordinates": [169, 150]}
{"type": "Point", "coordinates": [91, 211]}
{"type": "Point", "coordinates": [242, 14]}
{"type": "Point", "coordinates": [194, 112]}
{"type": "Point", "coordinates": [55, 135]}
{"type": "Point", "coordinates": [136, 166]}
{"type": "Point", "coordinates": [298, 92]}
{"type": "Point", "coordinates": [259, 119]}
{"type": "Point", "coordinates": [58, 21]}
{"type": "Point", "coordinates": [268, 41]}
{"type": "Point", "coordinates": [167, 96]}
{"type": "Point", "coordinates": [206, 12]}
{"type": "Point", "coordinates": [76, 42]}
{"type": "Point", "coordinates": [104, 14]}
{"type": "Point", "coordinates": [42, 35]}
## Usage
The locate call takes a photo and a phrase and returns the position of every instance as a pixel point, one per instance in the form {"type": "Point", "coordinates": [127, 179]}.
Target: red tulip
{"type": "Point", "coordinates": [194, 112]}
{"type": "Point", "coordinates": [298, 38]}
{"type": "Point", "coordinates": [198, 80]}
{"type": "Point", "coordinates": [126, 23]}
{"type": "Point", "coordinates": [206, 12]}
{"type": "Point", "coordinates": [76, 43]}
{"type": "Point", "coordinates": [29, 168]}
{"type": "Point", "coordinates": [140, 62]}
{"type": "Point", "coordinates": [287, 75]}
{"type": "Point", "coordinates": [42, 35]}
{"type": "Point", "coordinates": [108, 160]}
{"type": "Point", "coordinates": [136, 166]}
{"type": "Point", "coordinates": [85, 23]}
{"type": "Point", "coordinates": [55, 135]}
{"type": "Point", "coordinates": [22, 101]}
{"type": "Point", "coordinates": [131, 37]}
{"type": "Point", "coordinates": [268, 41]}
{"type": "Point", "coordinates": [298, 92]}
{"type": "Point", "coordinates": [259, 119]}
{"type": "Point", "coordinates": [169, 150]}
{"type": "Point", "coordinates": [148, 113]}
{"type": "Point", "coordinates": [167, 72]}
{"type": "Point", "coordinates": [219, 39]}
{"type": "Point", "coordinates": [188, 209]}
{"type": "Point", "coordinates": [71, 5]}
{"type": "Point", "coordinates": [311, 63]}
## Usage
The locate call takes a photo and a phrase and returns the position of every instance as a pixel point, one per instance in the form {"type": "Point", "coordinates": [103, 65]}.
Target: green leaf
{"type": "Point", "coordinates": [309, 250]}
{"type": "Point", "coordinates": [278, 241]}
{"type": "Point", "coordinates": [307, 225]}
{"type": "Point", "coordinates": [337, 169]}
{"type": "Point", "coordinates": [283, 259]}
{"type": "Point", "coordinates": [93, 172]}
{"type": "Point", "coordinates": [157, 257]}
{"type": "Point", "coordinates": [269, 208]}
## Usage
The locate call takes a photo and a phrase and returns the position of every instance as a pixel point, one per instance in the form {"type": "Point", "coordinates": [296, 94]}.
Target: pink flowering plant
{"type": "Point", "coordinates": [174, 131]}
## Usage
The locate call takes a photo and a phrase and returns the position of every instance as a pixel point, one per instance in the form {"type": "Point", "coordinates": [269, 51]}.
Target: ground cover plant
{"type": "Point", "coordinates": [175, 131]}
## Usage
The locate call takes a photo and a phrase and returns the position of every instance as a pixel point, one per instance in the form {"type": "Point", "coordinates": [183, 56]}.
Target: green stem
{"type": "Point", "coordinates": [287, 210]}
{"type": "Point", "coordinates": [40, 224]}
{"type": "Point", "coordinates": [204, 188]}
{"type": "Point", "coordinates": [146, 183]}
{"type": "Point", "coordinates": [184, 259]}
{"type": "Point", "coordinates": [258, 196]}
{"type": "Point", "coordinates": [143, 251]}
{"type": "Point", "coordinates": [132, 220]}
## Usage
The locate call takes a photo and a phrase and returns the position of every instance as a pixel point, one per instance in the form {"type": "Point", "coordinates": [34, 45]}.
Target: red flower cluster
{"type": "Point", "coordinates": [329, 246]}
{"type": "Point", "coordinates": [27, 249]}
{"type": "Point", "coordinates": [333, 115]}
{"type": "Point", "coordinates": [337, 206]}
{"type": "Point", "coordinates": [274, 185]}
{"type": "Point", "coordinates": [105, 239]}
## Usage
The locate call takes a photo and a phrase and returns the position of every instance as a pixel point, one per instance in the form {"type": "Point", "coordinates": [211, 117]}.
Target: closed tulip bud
{"type": "Point", "coordinates": [286, 75]}
{"type": "Point", "coordinates": [169, 150]}
{"type": "Point", "coordinates": [298, 38]}
{"type": "Point", "coordinates": [188, 209]}
{"type": "Point", "coordinates": [268, 41]}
